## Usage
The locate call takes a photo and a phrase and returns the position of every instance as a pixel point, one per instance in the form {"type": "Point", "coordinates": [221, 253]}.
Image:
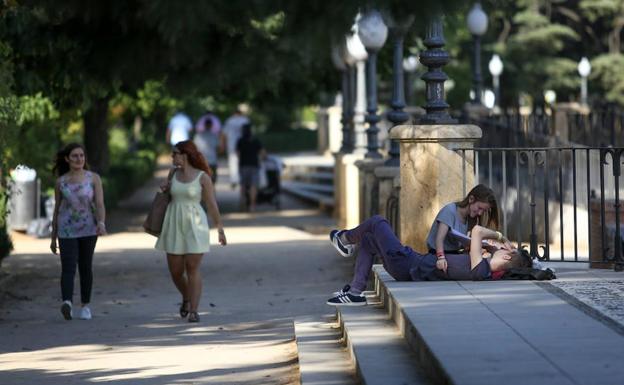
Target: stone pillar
{"type": "Point", "coordinates": [347, 190]}
{"type": "Point", "coordinates": [369, 187]}
{"type": "Point", "coordinates": [329, 130]}
{"type": "Point", "coordinates": [386, 176]}
{"type": "Point", "coordinates": [431, 174]}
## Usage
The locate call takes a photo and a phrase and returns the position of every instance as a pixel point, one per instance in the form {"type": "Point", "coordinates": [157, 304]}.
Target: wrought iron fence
{"type": "Point", "coordinates": [565, 198]}
{"type": "Point", "coordinates": [601, 126]}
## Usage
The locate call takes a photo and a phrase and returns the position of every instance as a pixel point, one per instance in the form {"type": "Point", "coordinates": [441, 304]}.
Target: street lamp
{"type": "Point", "coordinates": [410, 65]}
{"type": "Point", "coordinates": [477, 25]}
{"type": "Point", "coordinates": [341, 62]}
{"type": "Point", "coordinates": [398, 29]}
{"type": "Point", "coordinates": [496, 69]}
{"type": "Point", "coordinates": [584, 69]}
{"type": "Point", "coordinates": [358, 81]}
{"type": "Point", "coordinates": [373, 33]}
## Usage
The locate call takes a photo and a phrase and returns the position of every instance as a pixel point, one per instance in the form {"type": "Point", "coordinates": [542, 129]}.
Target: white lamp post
{"type": "Point", "coordinates": [496, 69]}
{"type": "Point", "coordinates": [373, 33]}
{"type": "Point", "coordinates": [477, 22]}
{"type": "Point", "coordinates": [584, 69]}
{"type": "Point", "coordinates": [358, 53]}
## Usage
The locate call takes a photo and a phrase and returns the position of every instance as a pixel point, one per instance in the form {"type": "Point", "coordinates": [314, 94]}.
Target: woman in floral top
{"type": "Point", "coordinates": [79, 215]}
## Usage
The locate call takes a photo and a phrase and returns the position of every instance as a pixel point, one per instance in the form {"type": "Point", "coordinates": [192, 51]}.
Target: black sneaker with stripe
{"type": "Point", "coordinates": [347, 299]}
{"type": "Point", "coordinates": [345, 289]}
{"type": "Point", "coordinates": [344, 250]}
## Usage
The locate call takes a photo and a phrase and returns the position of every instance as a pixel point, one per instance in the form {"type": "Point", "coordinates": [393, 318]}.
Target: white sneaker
{"type": "Point", "coordinates": [66, 310]}
{"type": "Point", "coordinates": [85, 313]}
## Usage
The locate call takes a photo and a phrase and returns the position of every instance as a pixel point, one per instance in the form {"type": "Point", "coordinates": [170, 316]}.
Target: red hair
{"type": "Point", "coordinates": [195, 158]}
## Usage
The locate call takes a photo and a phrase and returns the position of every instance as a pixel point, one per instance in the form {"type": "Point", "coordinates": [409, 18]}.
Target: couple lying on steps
{"type": "Point", "coordinates": [376, 238]}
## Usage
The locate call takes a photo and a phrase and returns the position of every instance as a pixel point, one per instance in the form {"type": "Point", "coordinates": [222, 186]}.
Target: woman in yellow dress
{"type": "Point", "coordinates": [185, 231]}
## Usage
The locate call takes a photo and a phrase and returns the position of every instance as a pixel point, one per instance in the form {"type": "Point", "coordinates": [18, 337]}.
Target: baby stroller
{"type": "Point", "coordinates": [269, 192]}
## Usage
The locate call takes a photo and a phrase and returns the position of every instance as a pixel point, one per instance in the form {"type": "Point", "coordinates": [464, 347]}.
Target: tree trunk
{"type": "Point", "coordinates": [96, 134]}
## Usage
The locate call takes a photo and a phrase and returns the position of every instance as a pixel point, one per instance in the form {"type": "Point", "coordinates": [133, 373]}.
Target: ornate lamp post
{"type": "Point", "coordinates": [477, 25]}
{"type": "Point", "coordinates": [373, 33]}
{"type": "Point", "coordinates": [434, 58]}
{"type": "Point", "coordinates": [358, 54]}
{"type": "Point", "coordinates": [496, 69]}
{"type": "Point", "coordinates": [584, 69]}
{"type": "Point", "coordinates": [410, 65]}
{"type": "Point", "coordinates": [397, 116]}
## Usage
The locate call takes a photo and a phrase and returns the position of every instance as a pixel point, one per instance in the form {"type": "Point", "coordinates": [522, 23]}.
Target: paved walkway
{"type": "Point", "coordinates": [274, 269]}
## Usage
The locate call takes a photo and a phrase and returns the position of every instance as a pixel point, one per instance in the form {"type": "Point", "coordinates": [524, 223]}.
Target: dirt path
{"type": "Point", "coordinates": [270, 273]}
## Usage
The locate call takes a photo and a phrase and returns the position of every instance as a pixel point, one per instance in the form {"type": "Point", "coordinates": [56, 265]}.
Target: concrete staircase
{"type": "Point", "coordinates": [471, 333]}
{"type": "Point", "coordinates": [310, 178]}
{"type": "Point", "coordinates": [367, 340]}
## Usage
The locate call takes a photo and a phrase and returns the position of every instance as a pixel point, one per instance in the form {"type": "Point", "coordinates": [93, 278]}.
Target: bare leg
{"type": "Point", "coordinates": [176, 268]}
{"type": "Point", "coordinates": [192, 263]}
{"type": "Point", "coordinates": [253, 192]}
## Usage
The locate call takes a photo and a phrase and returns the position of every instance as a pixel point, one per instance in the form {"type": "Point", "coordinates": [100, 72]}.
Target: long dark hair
{"type": "Point", "coordinates": [195, 158]}
{"type": "Point", "coordinates": [482, 193]}
{"type": "Point", "coordinates": [61, 167]}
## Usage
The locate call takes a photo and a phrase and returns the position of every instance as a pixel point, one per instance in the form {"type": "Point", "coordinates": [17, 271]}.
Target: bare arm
{"type": "Point", "coordinates": [208, 196]}
{"type": "Point", "coordinates": [479, 233]}
{"type": "Point", "coordinates": [100, 210]}
{"type": "Point", "coordinates": [443, 229]}
{"type": "Point", "coordinates": [57, 203]}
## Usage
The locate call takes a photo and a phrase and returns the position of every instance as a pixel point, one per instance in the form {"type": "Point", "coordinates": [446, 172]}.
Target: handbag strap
{"type": "Point", "coordinates": [171, 173]}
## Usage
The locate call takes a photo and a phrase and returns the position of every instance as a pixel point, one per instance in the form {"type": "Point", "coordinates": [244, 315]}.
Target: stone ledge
{"type": "Point", "coordinates": [436, 133]}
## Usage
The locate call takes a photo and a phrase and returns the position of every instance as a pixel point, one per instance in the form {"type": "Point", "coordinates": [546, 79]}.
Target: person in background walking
{"type": "Point", "coordinates": [179, 128]}
{"type": "Point", "coordinates": [232, 129]}
{"type": "Point", "coordinates": [207, 134]}
{"type": "Point", "coordinates": [250, 151]}
{"type": "Point", "coordinates": [77, 221]}
{"type": "Point", "coordinates": [185, 231]}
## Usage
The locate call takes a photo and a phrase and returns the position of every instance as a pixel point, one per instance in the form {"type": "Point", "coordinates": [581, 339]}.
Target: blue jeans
{"type": "Point", "coordinates": [376, 238]}
{"type": "Point", "coordinates": [77, 251]}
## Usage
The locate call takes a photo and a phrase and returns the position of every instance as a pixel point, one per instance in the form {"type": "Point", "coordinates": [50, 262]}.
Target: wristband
{"type": "Point", "coordinates": [499, 236]}
{"type": "Point", "coordinates": [440, 255]}
{"type": "Point", "coordinates": [102, 223]}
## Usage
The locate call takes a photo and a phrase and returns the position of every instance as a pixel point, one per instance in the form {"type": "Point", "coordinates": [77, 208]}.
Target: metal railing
{"type": "Point", "coordinates": [601, 126]}
{"type": "Point", "coordinates": [565, 197]}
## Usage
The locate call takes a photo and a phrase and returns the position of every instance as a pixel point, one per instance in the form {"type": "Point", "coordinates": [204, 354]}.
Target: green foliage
{"type": "Point", "coordinates": [289, 141]}
{"type": "Point", "coordinates": [607, 72]}
{"type": "Point", "coordinates": [129, 168]}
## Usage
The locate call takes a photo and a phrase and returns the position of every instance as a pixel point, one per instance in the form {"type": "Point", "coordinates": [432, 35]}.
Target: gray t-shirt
{"type": "Point", "coordinates": [449, 216]}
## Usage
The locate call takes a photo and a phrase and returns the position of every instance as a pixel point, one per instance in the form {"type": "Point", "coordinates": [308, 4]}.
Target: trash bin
{"type": "Point", "coordinates": [24, 198]}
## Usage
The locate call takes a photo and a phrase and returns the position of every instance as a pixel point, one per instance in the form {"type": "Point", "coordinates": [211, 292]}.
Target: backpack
{"type": "Point", "coordinates": [529, 273]}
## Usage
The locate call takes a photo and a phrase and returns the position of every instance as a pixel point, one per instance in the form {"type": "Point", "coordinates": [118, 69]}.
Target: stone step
{"type": "Point", "coordinates": [320, 188]}
{"type": "Point", "coordinates": [380, 354]}
{"type": "Point", "coordinates": [324, 200]}
{"type": "Point", "coordinates": [322, 176]}
{"type": "Point", "coordinates": [323, 359]}
{"type": "Point", "coordinates": [511, 332]}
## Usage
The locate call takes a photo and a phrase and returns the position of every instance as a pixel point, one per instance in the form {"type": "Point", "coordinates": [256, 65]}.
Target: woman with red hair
{"type": "Point", "coordinates": [185, 231]}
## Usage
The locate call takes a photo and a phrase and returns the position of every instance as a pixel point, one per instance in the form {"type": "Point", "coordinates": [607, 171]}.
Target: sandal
{"type": "Point", "coordinates": [193, 317]}
{"type": "Point", "coordinates": [184, 309]}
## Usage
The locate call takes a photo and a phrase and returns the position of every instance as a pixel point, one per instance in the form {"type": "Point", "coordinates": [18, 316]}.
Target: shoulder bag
{"type": "Point", "coordinates": [156, 215]}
